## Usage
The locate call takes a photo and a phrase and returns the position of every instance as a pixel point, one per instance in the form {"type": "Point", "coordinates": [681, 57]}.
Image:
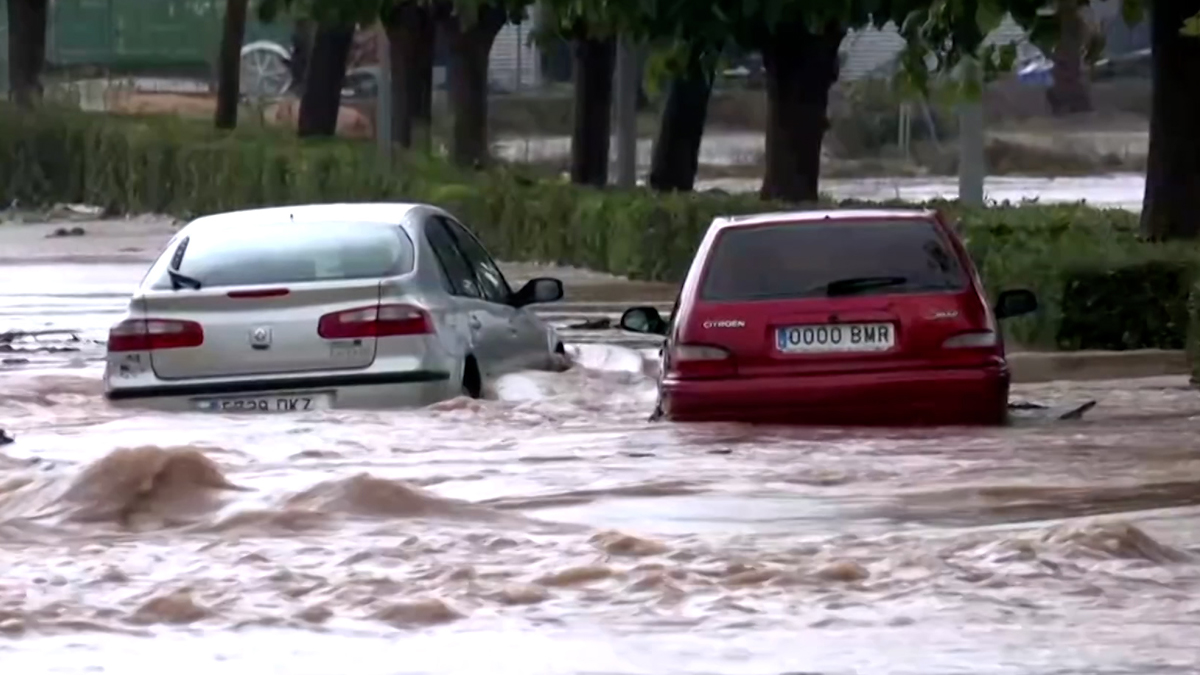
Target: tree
{"type": "Point", "coordinates": [1171, 200]}
{"type": "Point", "coordinates": [322, 98]}
{"type": "Point", "coordinates": [411, 34]}
{"type": "Point", "coordinates": [594, 59]}
{"type": "Point", "coordinates": [801, 64]}
{"type": "Point", "coordinates": [799, 40]}
{"type": "Point", "coordinates": [27, 24]}
{"type": "Point", "coordinates": [303, 31]}
{"type": "Point", "coordinates": [471, 29]}
{"type": "Point", "coordinates": [675, 156]}
{"type": "Point", "coordinates": [591, 26]}
{"type": "Point", "coordinates": [1070, 92]}
{"type": "Point", "coordinates": [336, 22]}
{"type": "Point", "coordinates": [229, 65]}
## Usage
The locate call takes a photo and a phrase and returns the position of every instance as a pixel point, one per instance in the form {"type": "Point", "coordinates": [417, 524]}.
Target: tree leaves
{"type": "Point", "coordinates": [1191, 27]}
{"type": "Point", "coordinates": [367, 12]}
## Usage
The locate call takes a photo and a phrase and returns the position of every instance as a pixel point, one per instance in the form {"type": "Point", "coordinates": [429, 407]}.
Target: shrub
{"type": "Point", "coordinates": [167, 165]}
{"type": "Point", "coordinates": [1136, 306]}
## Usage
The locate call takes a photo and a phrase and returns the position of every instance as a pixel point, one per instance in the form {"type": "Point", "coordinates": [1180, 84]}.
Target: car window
{"type": "Point", "coordinates": [797, 260]}
{"type": "Point", "coordinates": [495, 288]}
{"type": "Point", "coordinates": [457, 272]}
{"type": "Point", "coordinates": [291, 253]}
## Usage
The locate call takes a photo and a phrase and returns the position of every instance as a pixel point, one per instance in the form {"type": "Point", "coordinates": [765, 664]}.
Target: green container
{"type": "Point", "coordinates": [161, 37]}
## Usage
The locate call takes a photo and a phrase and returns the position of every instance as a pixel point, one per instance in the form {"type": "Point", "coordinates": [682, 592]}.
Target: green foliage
{"type": "Point", "coordinates": [1193, 332]}
{"type": "Point", "coordinates": [1136, 306]}
{"type": "Point", "coordinates": [1191, 27]}
{"type": "Point", "coordinates": [367, 12]}
{"type": "Point", "coordinates": [168, 165]}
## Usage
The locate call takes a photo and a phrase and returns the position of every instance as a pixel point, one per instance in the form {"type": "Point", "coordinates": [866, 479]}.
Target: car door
{"type": "Point", "coordinates": [487, 337]}
{"type": "Point", "coordinates": [528, 345]}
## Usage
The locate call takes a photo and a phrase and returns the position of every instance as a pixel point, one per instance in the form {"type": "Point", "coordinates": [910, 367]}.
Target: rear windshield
{"type": "Point", "coordinates": [817, 259]}
{"type": "Point", "coordinates": [291, 253]}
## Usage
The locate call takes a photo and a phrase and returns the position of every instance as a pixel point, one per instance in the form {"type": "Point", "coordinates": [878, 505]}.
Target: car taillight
{"type": "Point", "coordinates": [698, 361]}
{"type": "Point", "coordinates": [979, 339]}
{"type": "Point", "coordinates": [381, 321]}
{"type": "Point", "coordinates": [141, 335]}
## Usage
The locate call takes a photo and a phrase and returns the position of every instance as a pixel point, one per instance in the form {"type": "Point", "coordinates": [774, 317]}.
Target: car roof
{"type": "Point", "coordinates": [380, 213]}
{"type": "Point", "coordinates": [806, 216]}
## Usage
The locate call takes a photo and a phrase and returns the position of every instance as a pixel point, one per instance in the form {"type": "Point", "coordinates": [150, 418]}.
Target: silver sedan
{"type": "Point", "coordinates": [333, 305]}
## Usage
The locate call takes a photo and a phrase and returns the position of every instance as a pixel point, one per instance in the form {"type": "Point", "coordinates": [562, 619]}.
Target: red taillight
{"type": "Point", "coordinates": [143, 335]}
{"type": "Point", "coordinates": [700, 361]}
{"type": "Point", "coordinates": [381, 321]}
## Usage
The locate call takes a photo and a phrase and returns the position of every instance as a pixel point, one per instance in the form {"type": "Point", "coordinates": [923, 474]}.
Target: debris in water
{"type": "Point", "coordinates": [602, 323]}
{"type": "Point", "coordinates": [1077, 413]}
{"type": "Point", "coordinates": [1025, 405]}
{"type": "Point", "coordinates": [65, 232]}
{"type": "Point", "coordinates": [7, 338]}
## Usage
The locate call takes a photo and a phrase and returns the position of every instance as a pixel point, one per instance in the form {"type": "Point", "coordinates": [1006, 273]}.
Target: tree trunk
{"type": "Point", "coordinates": [1171, 205]}
{"type": "Point", "coordinates": [27, 22]}
{"type": "Point", "coordinates": [676, 156]}
{"type": "Point", "coordinates": [229, 65]}
{"type": "Point", "coordinates": [595, 61]}
{"type": "Point", "coordinates": [1070, 92]}
{"type": "Point", "coordinates": [470, 49]}
{"type": "Point", "coordinates": [800, 67]}
{"type": "Point", "coordinates": [326, 74]}
{"type": "Point", "coordinates": [302, 46]}
{"type": "Point", "coordinates": [411, 35]}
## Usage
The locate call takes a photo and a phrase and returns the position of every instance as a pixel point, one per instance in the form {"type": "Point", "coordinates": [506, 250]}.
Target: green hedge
{"type": "Point", "coordinates": [167, 165]}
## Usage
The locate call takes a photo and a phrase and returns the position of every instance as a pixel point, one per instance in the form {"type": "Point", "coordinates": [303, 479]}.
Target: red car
{"type": "Point", "coordinates": [844, 317]}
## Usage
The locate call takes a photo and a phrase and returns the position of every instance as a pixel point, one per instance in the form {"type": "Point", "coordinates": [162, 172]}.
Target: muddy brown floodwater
{"type": "Point", "coordinates": [552, 530]}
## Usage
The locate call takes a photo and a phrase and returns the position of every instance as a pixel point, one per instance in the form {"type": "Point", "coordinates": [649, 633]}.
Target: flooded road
{"type": "Point", "coordinates": [552, 530]}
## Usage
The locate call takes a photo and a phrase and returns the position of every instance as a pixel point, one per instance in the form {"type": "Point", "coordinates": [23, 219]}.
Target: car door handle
{"type": "Point", "coordinates": [475, 323]}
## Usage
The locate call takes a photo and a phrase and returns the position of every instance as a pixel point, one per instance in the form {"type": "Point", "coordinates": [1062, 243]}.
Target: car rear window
{"type": "Point", "coordinates": [288, 253]}
{"type": "Point", "coordinates": [798, 260]}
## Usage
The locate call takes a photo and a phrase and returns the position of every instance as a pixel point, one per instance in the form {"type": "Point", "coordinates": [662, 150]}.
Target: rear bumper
{"type": "Point", "coordinates": [976, 396]}
{"type": "Point", "coordinates": [360, 390]}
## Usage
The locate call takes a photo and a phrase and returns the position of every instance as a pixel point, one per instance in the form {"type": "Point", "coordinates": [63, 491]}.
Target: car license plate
{"type": "Point", "coordinates": [842, 337]}
{"type": "Point", "coordinates": [271, 403]}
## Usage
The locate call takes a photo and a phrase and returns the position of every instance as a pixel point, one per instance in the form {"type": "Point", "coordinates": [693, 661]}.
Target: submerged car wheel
{"type": "Point", "coordinates": [657, 414]}
{"type": "Point", "coordinates": [472, 382]}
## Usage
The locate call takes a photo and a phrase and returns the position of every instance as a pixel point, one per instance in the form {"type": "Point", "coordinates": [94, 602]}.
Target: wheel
{"type": "Point", "coordinates": [472, 383]}
{"type": "Point", "coordinates": [265, 71]}
{"type": "Point", "coordinates": [657, 414]}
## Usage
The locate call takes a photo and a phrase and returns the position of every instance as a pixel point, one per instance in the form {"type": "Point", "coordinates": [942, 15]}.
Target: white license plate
{"type": "Point", "coordinates": [269, 403]}
{"type": "Point", "coordinates": [842, 337]}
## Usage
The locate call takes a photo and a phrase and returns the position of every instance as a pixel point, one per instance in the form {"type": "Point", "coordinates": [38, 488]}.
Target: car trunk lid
{"type": "Point", "coordinates": [262, 331]}
{"type": "Point", "coordinates": [818, 336]}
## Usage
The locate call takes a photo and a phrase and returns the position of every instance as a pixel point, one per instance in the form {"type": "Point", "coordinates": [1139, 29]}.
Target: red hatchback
{"type": "Point", "coordinates": [839, 317]}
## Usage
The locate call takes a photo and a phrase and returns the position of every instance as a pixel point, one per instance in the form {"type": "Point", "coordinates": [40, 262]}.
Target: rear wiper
{"type": "Point", "coordinates": [180, 280]}
{"type": "Point", "coordinates": [851, 285]}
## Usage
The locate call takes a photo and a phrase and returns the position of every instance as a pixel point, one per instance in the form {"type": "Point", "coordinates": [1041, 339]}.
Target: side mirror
{"type": "Point", "coordinates": [1015, 303]}
{"type": "Point", "coordinates": [643, 320]}
{"type": "Point", "coordinates": [541, 289]}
